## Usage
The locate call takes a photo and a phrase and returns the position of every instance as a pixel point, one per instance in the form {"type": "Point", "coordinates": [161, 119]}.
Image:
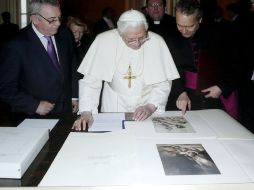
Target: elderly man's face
{"type": "Point", "coordinates": [187, 25]}
{"type": "Point", "coordinates": [155, 9]}
{"type": "Point", "coordinates": [135, 37]}
{"type": "Point", "coordinates": [48, 20]}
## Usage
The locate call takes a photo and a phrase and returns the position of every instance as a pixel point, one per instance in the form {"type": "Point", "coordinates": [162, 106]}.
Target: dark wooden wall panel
{"type": "Point", "coordinates": [90, 10]}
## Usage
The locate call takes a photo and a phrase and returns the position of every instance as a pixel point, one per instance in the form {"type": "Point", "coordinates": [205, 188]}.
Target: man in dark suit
{"type": "Point", "coordinates": [105, 23]}
{"type": "Point", "coordinates": [31, 81]}
{"type": "Point", "coordinates": [243, 44]}
{"type": "Point", "coordinates": [158, 21]}
{"type": "Point", "coordinates": [7, 29]}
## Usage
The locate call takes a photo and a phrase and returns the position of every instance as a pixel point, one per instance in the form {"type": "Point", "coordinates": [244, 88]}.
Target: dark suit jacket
{"type": "Point", "coordinates": [100, 26]}
{"type": "Point", "coordinates": [166, 28]}
{"type": "Point", "coordinates": [243, 43]}
{"type": "Point", "coordinates": [28, 75]}
{"type": "Point", "coordinates": [7, 32]}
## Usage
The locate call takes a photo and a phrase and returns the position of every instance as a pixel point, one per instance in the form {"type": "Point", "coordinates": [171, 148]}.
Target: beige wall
{"type": "Point", "coordinates": [13, 7]}
{"type": "Point", "coordinates": [90, 9]}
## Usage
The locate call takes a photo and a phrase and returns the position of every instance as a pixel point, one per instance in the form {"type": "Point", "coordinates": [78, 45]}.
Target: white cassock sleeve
{"type": "Point", "coordinates": [89, 94]}
{"type": "Point", "coordinates": [159, 95]}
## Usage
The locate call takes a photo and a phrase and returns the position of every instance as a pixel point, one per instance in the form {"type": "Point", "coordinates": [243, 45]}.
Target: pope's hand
{"type": "Point", "coordinates": [183, 102]}
{"type": "Point", "coordinates": [212, 92]}
{"type": "Point", "coordinates": [85, 120]}
{"type": "Point", "coordinates": [143, 112]}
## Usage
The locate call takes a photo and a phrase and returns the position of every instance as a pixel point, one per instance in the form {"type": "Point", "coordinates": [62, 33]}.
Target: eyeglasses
{"type": "Point", "coordinates": [50, 20]}
{"type": "Point", "coordinates": [187, 27]}
{"type": "Point", "coordinates": [140, 40]}
{"type": "Point", "coordinates": [153, 5]}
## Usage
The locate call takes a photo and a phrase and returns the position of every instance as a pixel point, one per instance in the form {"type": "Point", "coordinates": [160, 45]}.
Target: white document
{"type": "Point", "coordinates": [39, 123]}
{"type": "Point", "coordinates": [107, 122]}
{"type": "Point", "coordinates": [89, 159]}
{"type": "Point", "coordinates": [178, 166]}
{"type": "Point", "coordinates": [140, 155]}
{"type": "Point", "coordinates": [242, 152]}
{"type": "Point", "coordinates": [223, 125]}
{"type": "Point", "coordinates": [18, 148]}
{"type": "Point", "coordinates": [195, 127]}
{"type": "Point", "coordinates": [110, 159]}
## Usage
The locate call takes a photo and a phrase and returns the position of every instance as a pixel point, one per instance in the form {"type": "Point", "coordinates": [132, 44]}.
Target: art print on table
{"type": "Point", "coordinates": [172, 124]}
{"type": "Point", "coordinates": [186, 159]}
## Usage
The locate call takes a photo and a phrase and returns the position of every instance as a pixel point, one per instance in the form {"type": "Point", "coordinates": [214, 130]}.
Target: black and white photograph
{"type": "Point", "coordinates": [172, 124]}
{"type": "Point", "coordinates": [186, 159]}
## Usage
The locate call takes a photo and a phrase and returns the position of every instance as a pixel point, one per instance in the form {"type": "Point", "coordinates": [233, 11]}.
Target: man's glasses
{"type": "Point", "coordinates": [50, 20]}
{"type": "Point", "coordinates": [157, 5]}
{"type": "Point", "coordinates": [135, 41]}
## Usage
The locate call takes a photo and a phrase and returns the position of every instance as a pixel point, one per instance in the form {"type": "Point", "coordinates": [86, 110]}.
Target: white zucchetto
{"type": "Point", "coordinates": [132, 15]}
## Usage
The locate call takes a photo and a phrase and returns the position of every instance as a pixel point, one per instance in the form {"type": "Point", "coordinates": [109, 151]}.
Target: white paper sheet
{"type": "Point", "coordinates": [88, 159]}
{"type": "Point", "coordinates": [153, 170]}
{"type": "Point", "coordinates": [119, 159]}
{"type": "Point", "coordinates": [131, 156]}
{"type": "Point", "coordinates": [223, 125]}
{"type": "Point", "coordinates": [18, 148]}
{"type": "Point", "coordinates": [107, 122]}
{"type": "Point", "coordinates": [146, 129]}
{"type": "Point", "coordinates": [39, 123]}
{"type": "Point", "coordinates": [242, 152]}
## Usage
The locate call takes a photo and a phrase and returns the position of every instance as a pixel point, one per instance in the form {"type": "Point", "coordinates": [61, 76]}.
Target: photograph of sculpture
{"type": "Point", "coordinates": [186, 159]}
{"type": "Point", "coordinates": [172, 124]}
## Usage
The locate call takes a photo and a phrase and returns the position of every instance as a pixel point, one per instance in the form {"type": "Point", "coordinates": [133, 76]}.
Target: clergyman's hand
{"type": "Point", "coordinates": [143, 112]}
{"type": "Point", "coordinates": [44, 107]}
{"type": "Point", "coordinates": [212, 92]}
{"type": "Point", "coordinates": [85, 120]}
{"type": "Point", "coordinates": [183, 102]}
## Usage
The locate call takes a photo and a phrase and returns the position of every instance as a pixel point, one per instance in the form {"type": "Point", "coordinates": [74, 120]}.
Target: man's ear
{"type": "Point", "coordinates": [200, 20]}
{"type": "Point", "coordinates": [34, 19]}
{"type": "Point", "coordinates": [146, 9]}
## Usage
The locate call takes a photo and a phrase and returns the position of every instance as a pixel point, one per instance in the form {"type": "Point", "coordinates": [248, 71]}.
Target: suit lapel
{"type": "Point", "coordinates": [42, 53]}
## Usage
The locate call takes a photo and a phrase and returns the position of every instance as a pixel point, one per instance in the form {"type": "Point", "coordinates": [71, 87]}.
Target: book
{"type": "Point", "coordinates": [18, 148]}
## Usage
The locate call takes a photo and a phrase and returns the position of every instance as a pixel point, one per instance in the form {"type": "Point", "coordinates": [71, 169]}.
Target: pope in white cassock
{"type": "Point", "coordinates": [136, 66]}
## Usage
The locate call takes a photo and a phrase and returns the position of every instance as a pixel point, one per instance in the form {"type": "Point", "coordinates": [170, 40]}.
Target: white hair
{"type": "Point", "coordinates": [131, 18]}
{"type": "Point", "coordinates": [35, 6]}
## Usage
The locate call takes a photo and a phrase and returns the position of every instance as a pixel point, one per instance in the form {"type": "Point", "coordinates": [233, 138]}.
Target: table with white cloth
{"type": "Point", "coordinates": [204, 149]}
{"type": "Point", "coordinates": [208, 148]}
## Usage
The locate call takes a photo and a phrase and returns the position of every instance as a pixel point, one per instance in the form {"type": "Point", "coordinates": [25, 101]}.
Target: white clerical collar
{"type": "Point", "coordinates": [156, 22]}
{"type": "Point", "coordinates": [109, 22]}
{"type": "Point", "coordinates": [234, 18]}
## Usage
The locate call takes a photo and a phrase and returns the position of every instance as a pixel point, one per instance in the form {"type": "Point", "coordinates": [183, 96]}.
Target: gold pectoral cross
{"type": "Point", "coordinates": [129, 76]}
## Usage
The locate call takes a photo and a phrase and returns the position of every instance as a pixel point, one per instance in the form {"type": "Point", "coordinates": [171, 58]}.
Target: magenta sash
{"type": "Point", "coordinates": [231, 104]}
{"type": "Point", "coordinates": [191, 80]}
